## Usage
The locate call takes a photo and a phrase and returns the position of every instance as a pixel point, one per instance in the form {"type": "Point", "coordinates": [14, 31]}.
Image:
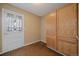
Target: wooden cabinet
{"type": "Point", "coordinates": [67, 30]}
{"type": "Point", "coordinates": [51, 30]}
{"type": "Point", "coordinates": [61, 30]}
{"type": "Point", "coordinates": [78, 30]}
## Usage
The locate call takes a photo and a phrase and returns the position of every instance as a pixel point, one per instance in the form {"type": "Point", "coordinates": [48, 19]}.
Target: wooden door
{"type": "Point", "coordinates": [67, 30]}
{"type": "Point", "coordinates": [51, 30]}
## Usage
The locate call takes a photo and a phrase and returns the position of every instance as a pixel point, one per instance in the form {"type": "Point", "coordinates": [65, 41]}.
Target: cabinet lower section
{"type": "Point", "coordinates": [63, 47]}
{"type": "Point", "coordinates": [67, 48]}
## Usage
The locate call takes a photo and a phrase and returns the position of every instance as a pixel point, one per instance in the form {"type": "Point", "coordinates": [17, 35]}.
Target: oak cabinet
{"type": "Point", "coordinates": [62, 30]}
{"type": "Point", "coordinates": [51, 30]}
{"type": "Point", "coordinates": [67, 29]}
{"type": "Point", "coordinates": [78, 30]}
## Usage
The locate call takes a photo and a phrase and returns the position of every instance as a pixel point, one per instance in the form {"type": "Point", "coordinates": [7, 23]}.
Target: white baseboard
{"type": "Point", "coordinates": [10, 50]}
{"type": "Point", "coordinates": [24, 45]}
{"type": "Point", "coordinates": [31, 43]}
{"type": "Point", "coordinates": [38, 41]}
{"type": "Point", "coordinates": [43, 41]}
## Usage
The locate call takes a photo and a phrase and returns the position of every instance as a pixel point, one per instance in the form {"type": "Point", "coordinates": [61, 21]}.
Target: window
{"type": "Point", "coordinates": [14, 22]}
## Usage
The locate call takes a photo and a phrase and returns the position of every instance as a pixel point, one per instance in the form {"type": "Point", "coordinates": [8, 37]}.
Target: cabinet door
{"type": "Point", "coordinates": [78, 30]}
{"type": "Point", "coordinates": [67, 30]}
{"type": "Point", "coordinates": [51, 30]}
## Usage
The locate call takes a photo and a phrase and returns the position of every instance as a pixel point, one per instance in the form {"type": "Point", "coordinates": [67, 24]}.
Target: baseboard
{"type": "Point", "coordinates": [54, 49]}
{"type": "Point", "coordinates": [1, 52]}
{"type": "Point", "coordinates": [39, 41]}
{"type": "Point", "coordinates": [43, 41]}
{"type": "Point", "coordinates": [32, 43]}
{"type": "Point", "coordinates": [57, 51]}
{"type": "Point", "coordinates": [22, 46]}
{"type": "Point", "coordinates": [9, 51]}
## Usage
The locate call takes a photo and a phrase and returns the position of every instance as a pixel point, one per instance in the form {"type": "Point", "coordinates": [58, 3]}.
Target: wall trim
{"type": "Point", "coordinates": [43, 41]}
{"type": "Point", "coordinates": [22, 46]}
{"type": "Point", "coordinates": [31, 43]}
{"type": "Point", "coordinates": [57, 51]}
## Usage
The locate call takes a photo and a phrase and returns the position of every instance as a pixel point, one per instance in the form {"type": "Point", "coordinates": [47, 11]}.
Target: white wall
{"type": "Point", "coordinates": [43, 32]}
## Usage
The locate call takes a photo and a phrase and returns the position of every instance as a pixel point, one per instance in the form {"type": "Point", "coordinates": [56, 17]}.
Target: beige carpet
{"type": "Point", "coordinates": [36, 49]}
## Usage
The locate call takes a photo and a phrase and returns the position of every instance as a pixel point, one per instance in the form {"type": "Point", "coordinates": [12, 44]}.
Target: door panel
{"type": "Point", "coordinates": [67, 30]}
{"type": "Point", "coordinates": [66, 47]}
{"type": "Point", "coordinates": [51, 42]}
{"type": "Point", "coordinates": [12, 39]}
{"type": "Point", "coordinates": [51, 30]}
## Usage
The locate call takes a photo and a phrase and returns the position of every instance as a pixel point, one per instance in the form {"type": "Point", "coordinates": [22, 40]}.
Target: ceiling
{"type": "Point", "coordinates": [39, 9]}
